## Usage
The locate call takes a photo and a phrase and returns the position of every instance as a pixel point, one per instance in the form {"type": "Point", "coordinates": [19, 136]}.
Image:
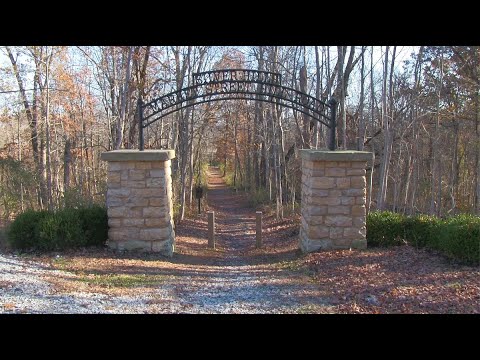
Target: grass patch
{"type": "Point", "coordinates": [61, 263]}
{"type": "Point", "coordinates": [122, 280]}
{"type": "Point", "coordinates": [293, 265]}
{"type": "Point", "coordinates": [312, 309]}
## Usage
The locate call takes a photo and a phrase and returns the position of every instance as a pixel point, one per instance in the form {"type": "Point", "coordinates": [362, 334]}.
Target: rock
{"type": "Point", "coordinates": [372, 300]}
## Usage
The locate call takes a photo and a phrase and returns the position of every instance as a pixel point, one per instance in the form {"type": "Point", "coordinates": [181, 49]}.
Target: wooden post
{"type": "Point", "coordinates": [211, 229]}
{"type": "Point", "coordinates": [258, 243]}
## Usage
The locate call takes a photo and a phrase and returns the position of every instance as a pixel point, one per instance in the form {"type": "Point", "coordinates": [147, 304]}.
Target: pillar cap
{"type": "Point", "coordinates": [341, 155]}
{"type": "Point", "coordinates": [137, 155]}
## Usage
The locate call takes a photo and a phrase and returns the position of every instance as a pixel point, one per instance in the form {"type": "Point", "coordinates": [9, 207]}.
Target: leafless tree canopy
{"type": "Point", "coordinates": [417, 109]}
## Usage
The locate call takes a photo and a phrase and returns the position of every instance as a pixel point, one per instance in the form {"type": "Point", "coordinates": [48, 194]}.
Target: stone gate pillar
{"type": "Point", "coordinates": [333, 200]}
{"type": "Point", "coordinates": [139, 200]}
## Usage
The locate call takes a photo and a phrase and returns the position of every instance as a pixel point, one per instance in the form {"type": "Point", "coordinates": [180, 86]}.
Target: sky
{"type": "Point", "coordinates": [403, 53]}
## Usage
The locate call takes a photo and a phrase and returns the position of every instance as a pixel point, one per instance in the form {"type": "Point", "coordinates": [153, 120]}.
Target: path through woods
{"type": "Point", "coordinates": [236, 277]}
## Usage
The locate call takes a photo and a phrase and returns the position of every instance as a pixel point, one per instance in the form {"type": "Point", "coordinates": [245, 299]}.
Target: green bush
{"type": "Point", "coordinates": [421, 229]}
{"type": "Point", "coordinates": [385, 228]}
{"type": "Point", "coordinates": [457, 237]}
{"type": "Point", "coordinates": [63, 229]}
{"type": "Point", "coordinates": [22, 233]}
{"type": "Point", "coordinates": [94, 222]}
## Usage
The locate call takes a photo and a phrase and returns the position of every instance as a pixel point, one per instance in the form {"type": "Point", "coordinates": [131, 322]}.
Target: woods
{"type": "Point", "coordinates": [418, 113]}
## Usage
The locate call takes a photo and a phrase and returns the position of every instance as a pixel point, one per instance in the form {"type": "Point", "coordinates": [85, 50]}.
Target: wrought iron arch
{"type": "Point", "coordinates": [237, 84]}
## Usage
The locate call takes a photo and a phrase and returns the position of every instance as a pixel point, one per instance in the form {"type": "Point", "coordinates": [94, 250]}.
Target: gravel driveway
{"type": "Point", "coordinates": [207, 289]}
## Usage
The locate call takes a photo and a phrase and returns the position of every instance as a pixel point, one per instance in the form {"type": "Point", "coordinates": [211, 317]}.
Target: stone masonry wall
{"type": "Point", "coordinates": [333, 200]}
{"type": "Point", "coordinates": [139, 205]}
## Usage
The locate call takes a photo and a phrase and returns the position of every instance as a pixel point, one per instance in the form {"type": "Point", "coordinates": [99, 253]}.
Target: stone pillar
{"type": "Point", "coordinates": [139, 200]}
{"type": "Point", "coordinates": [333, 200]}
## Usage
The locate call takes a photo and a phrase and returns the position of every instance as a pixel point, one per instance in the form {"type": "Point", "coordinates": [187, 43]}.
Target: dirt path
{"type": "Point", "coordinates": [242, 279]}
{"type": "Point", "coordinates": [235, 219]}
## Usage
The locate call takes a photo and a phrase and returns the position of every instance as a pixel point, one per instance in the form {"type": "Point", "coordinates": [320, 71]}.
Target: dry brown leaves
{"type": "Point", "coordinates": [396, 280]}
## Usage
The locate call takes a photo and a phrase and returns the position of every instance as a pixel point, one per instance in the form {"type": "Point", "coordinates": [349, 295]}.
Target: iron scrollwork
{"type": "Point", "coordinates": [236, 84]}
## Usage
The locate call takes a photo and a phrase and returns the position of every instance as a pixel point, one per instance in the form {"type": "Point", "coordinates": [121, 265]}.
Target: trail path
{"type": "Point", "coordinates": [241, 281]}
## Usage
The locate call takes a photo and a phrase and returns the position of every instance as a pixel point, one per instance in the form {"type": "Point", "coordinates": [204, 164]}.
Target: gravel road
{"type": "Point", "coordinates": [206, 289]}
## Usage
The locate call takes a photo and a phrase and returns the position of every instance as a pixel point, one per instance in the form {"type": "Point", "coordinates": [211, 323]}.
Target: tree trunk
{"type": "Point", "coordinates": [361, 121]}
{"type": "Point", "coordinates": [386, 144]}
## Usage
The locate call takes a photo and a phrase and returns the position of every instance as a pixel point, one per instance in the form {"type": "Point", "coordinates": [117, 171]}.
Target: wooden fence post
{"type": "Point", "coordinates": [258, 242]}
{"type": "Point", "coordinates": [211, 229]}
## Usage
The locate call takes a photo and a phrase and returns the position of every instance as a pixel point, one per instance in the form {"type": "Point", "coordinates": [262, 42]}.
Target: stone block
{"type": "Point", "coordinates": [338, 220]}
{"type": "Point", "coordinates": [114, 222]}
{"type": "Point", "coordinates": [342, 243]}
{"type": "Point", "coordinates": [359, 164]}
{"type": "Point", "coordinates": [314, 210]}
{"type": "Point", "coordinates": [124, 175]}
{"type": "Point", "coordinates": [335, 172]}
{"type": "Point", "coordinates": [135, 201]}
{"type": "Point", "coordinates": [155, 234]}
{"type": "Point", "coordinates": [317, 232]}
{"type": "Point", "coordinates": [153, 211]}
{"type": "Point", "coordinates": [358, 182]}
{"type": "Point", "coordinates": [166, 247]}
{"type": "Point", "coordinates": [359, 172]}
{"type": "Point", "coordinates": [347, 200]}
{"type": "Point", "coordinates": [135, 245]}
{"type": "Point", "coordinates": [352, 233]}
{"type": "Point", "coordinates": [113, 201]}
{"type": "Point", "coordinates": [336, 233]}
{"type": "Point", "coordinates": [150, 192]}
{"type": "Point", "coordinates": [143, 165]}
{"type": "Point", "coordinates": [317, 172]}
{"type": "Point", "coordinates": [308, 245]}
{"type": "Point", "coordinates": [330, 164]}
{"type": "Point", "coordinates": [342, 183]}
{"type": "Point", "coordinates": [327, 200]}
{"type": "Point", "coordinates": [354, 192]}
{"type": "Point", "coordinates": [360, 200]}
{"type": "Point", "coordinates": [120, 193]}
{"type": "Point", "coordinates": [359, 244]}
{"type": "Point", "coordinates": [113, 177]}
{"type": "Point", "coordinates": [320, 193]}
{"type": "Point", "coordinates": [358, 221]}
{"type": "Point", "coordinates": [122, 234]}
{"type": "Point", "coordinates": [155, 182]}
{"type": "Point", "coordinates": [161, 164]}
{"type": "Point", "coordinates": [358, 210]}
{"type": "Point", "coordinates": [322, 183]}
{"type": "Point", "coordinates": [158, 173]}
{"type": "Point", "coordinates": [134, 212]}
{"type": "Point", "coordinates": [133, 155]}
{"type": "Point", "coordinates": [116, 212]}
{"type": "Point", "coordinates": [133, 222]}
{"type": "Point", "coordinates": [339, 209]}
{"type": "Point", "coordinates": [137, 174]}
{"type": "Point", "coordinates": [157, 222]}
{"type": "Point", "coordinates": [159, 201]}
{"type": "Point", "coordinates": [133, 184]}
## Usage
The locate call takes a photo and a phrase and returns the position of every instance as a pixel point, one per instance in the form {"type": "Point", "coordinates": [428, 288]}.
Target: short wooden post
{"type": "Point", "coordinates": [211, 229]}
{"type": "Point", "coordinates": [258, 243]}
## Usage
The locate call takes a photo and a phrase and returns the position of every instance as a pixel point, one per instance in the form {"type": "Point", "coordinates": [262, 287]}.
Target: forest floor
{"type": "Point", "coordinates": [236, 277]}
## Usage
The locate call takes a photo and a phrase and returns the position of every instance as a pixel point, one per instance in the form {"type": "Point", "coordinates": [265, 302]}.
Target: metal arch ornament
{"type": "Point", "coordinates": [237, 84]}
